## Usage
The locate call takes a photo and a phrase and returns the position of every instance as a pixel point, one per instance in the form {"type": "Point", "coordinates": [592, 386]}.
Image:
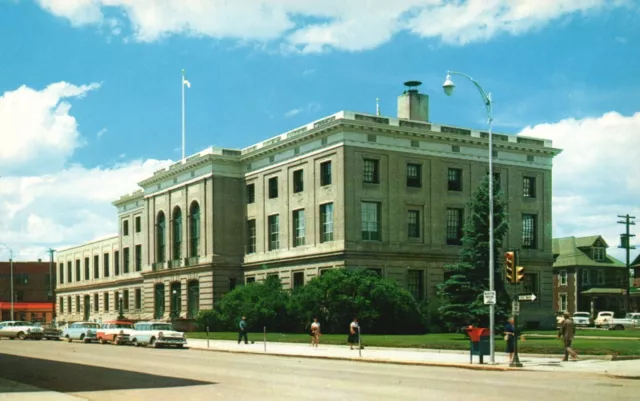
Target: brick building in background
{"type": "Point", "coordinates": [33, 291]}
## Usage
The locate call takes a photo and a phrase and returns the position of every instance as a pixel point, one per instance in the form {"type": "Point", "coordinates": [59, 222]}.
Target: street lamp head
{"type": "Point", "coordinates": [448, 85]}
{"type": "Point", "coordinates": [120, 296]}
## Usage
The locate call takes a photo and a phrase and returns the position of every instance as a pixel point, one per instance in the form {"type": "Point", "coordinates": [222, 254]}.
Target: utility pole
{"type": "Point", "coordinates": [625, 243]}
{"type": "Point", "coordinates": [53, 298]}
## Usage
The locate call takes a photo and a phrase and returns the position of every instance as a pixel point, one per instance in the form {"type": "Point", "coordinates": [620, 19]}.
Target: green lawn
{"type": "Point", "coordinates": [448, 341]}
{"type": "Point", "coordinates": [592, 333]}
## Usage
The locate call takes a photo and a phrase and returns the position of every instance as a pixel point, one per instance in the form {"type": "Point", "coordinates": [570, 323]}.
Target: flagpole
{"type": "Point", "coordinates": [183, 125]}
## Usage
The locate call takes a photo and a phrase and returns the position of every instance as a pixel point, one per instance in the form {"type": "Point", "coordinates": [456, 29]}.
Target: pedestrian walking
{"type": "Point", "coordinates": [510, 337]}
{"type": "Point", "coordinates": [242, 330]}
{"type": "Point", "coordinates": [315, 333]}
{"type": "Point", "coordinates": [354, 333]}
{"type": "Point", "coordinates": [567, 332]}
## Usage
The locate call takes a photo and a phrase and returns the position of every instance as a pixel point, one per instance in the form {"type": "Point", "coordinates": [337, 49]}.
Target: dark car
{"type": "Point", "coordinates": [50, 332]}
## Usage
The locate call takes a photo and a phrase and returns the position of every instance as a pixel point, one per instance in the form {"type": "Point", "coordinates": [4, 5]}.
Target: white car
{"type": "Point", "coordinates": [158, 334]}
{"type": "Point", "coordinates": [116, 332]}
{"type": "Point", "coordinates": [604, 319]}
{"type": "Point", "coordinates": [582, 319]}
{"type": "Point", "coordinates": [20, 330]}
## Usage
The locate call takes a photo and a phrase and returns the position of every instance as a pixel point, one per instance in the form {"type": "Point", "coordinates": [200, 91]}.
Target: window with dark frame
{"type": "Point", "coordinates": [125, 300]}
{"type": "Point", "coordinates": [126, 258]}
{"type": "Point", "coordinates": [77, 303]}
{"type": "Point", "coordinates": [138, 300]}
{"type": "Point", "coordinates": [298, 227]}
{"type": "Point", "coordinates": [87, 269]}
{"type": "Point", "coordinates": [529, 240]}
{"type": "Point", "coordinates": [96, 303]}
{"type": "Point", "coordinates": [371, 172]}
{"type": "Point", "coordinates": [371, 224]}
{"type": "Point", "coordinates": [251, 236]}
{"type": "Point", "coordinates": [413, 224]}
{"type": "Point", "coordinates": [138, 224]}
{"type": "Point", "coordinates": [105, 265]}
{"type": "Point", "coordinates": [96, 266]}
{"type": "Point", "coordinates": [125, 227]}
{"type": "Point", "coordinates": [414, 175]}
{"type": "Point", "coordinates": [454, 226]}
{"type": "Point", "coordinates": [325, 173]}
{"type": "Point", "coordinates": [298, 181]}
{"type": "Point", "coordinates": [251, 193]}
{"type": "Point", "coordinates": [273, 187]}
{"type": "Point", "coordinates": [106, 301]}
{"type": "Point", "coordinates": [454, 179]}
{"type": "Point", "coordinates": [415, 283]}
{"type": "Point", "coordinates": [69, 272]}
{"type": "Point", "coordinates": [274, 232]}
{"type": "Point", "coordinates": [61, 273]}
{"type": "Point", "coordinates": [251, 280]}
{"type": "Point", "coordinates": [138, 256]}
{"type": "Point", "coordinates": [529, 187]}
{"type": "Point", "coordinates": [531, 285]}
{"type": "Point", "coordinates": [116, 263]}
{"type": "Point", "coordinates": [326, 222]}
{"type": "Point", "coordinates": [78, 270]}
{"type": "Point", "coordinates": [298, 280]}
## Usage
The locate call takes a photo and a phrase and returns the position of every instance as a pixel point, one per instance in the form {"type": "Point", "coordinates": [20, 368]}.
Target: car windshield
{"type": "Point", "coordinates": [162, 327]}
{"type": "Point", "coordinates": [90, 326]}
{"type": "Point", "coordinates": [581, 314]}
{"type": "Point", "coordinates": [124, 326]}
{"type": "Point", "coordinates": [24, 324]}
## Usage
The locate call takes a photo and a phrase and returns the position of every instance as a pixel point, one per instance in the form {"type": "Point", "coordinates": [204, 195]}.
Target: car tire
{"type": "Point", "coordinates": [82, 337]}
{"type": "Point", "coordinates": [21, 336]}
{"type": "Point", "coordinates": [69, 339]}
{"type": "Point", "coordinates": [152, 342]}
{"type": "Point", "coordinates": [102, 340]}
{"type": "Point", "coordinates": [619, 327]}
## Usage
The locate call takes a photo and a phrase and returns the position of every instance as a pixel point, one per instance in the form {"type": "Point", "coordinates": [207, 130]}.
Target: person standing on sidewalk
{"type": "Point", "coordinates": [510, 337]}
{"type": "Point", "coordinates": [242, 330]}
{"type": "Point", "coordinates": [354, 333]}
{"type": "Point", "coordinates": [567, 333]}
{"type": "Point", "coordinates": [315, 333]}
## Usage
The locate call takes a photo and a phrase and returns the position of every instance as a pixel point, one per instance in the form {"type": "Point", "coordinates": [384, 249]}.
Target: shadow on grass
{"type": "Point", "coordinates": [67, 377]}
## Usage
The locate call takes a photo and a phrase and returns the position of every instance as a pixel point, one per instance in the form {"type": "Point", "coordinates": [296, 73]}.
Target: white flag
{"type": "Point", "coordinates": [185, 82]}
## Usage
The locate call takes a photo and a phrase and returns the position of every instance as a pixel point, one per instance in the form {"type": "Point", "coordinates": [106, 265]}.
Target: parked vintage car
{"type": "Point", "coordinates": [81, 331]}
{"type": "Point", "coordinates": [631, 321]}
{"type": "Point", "coordinates": [604, 319]}
{"type": "Point", "coordinates": [158, 334]}
{"type": "Point", "coordinates": [20, 330]}
{"type": "Point", "coordinates": [582, 319]}
{"type": "Point", "coordinates": [116, 332]}
{"type": "Point", "coordinates": [50, 331]}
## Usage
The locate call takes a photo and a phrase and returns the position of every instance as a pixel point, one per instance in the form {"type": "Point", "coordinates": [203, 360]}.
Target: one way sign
{"type": "Point", "coordinates": [531, 297]}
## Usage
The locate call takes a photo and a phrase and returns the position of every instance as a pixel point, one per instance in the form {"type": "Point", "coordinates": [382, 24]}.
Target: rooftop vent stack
{"type": "Point", "coordinates": [413, 105]}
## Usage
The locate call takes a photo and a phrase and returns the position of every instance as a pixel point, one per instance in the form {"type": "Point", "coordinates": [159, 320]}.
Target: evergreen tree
{"type": "Point", "coordinates": [461, 293]}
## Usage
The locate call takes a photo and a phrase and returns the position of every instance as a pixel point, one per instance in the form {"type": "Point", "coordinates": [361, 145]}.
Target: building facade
{"type": "Point", "coordinates": [33, 291]}
{"type": "Point", "coordinates": [351, 190]}
{"type": "Point", "coordinates": [586, 278]}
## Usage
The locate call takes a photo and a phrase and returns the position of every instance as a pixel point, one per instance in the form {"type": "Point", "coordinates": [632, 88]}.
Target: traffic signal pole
{"type": "Point", "coordinates": [515, 274]}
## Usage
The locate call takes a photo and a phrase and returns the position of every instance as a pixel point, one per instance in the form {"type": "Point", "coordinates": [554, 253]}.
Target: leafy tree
{"type": "Point", "coordinates": [461, 293]}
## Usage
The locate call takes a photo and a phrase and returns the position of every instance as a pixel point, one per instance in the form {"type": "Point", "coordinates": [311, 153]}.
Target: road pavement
{"type": "Point", "coordinates": [108, 372]}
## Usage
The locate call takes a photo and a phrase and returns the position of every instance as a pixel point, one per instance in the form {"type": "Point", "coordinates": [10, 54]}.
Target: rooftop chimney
{"type": "Point", "coordinates": [39, 260]}
{"type": "Point", "coordinates": [413, 105]}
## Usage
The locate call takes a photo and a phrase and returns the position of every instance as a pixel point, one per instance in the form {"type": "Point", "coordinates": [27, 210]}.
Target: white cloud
{"type": "Point", "coordinates": [312, 26]}
{"type": "Point", "coordinates": [293, 112]}
{"type": "Point", "coordinates": [309, 108]}
{"type": "Point", "coordinates": [38, 133]}
{"type": "Point", "coordinates": [593, 178]}
{"type": "Point", "coordinates": [100, 133]}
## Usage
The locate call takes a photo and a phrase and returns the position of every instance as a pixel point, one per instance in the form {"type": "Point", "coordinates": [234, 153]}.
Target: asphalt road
{"type": "Point", "coordinates": [108, 372]}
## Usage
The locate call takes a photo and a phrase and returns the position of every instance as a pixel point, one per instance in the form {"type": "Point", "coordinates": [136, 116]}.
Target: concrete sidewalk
{"type": "Point", "coordinates": [427, 357]}
{"type": "Point", "coordinates": [10, 390]}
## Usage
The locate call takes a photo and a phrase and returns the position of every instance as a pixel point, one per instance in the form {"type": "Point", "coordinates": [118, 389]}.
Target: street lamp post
{"type": "Point", "coordinates": [448, 87]}
{"type": "Point", "coordinates": [120, 303]}
{"type": "Point", "coordinates": [11, 268]}
{"type": "Point", "coordinates": [174, 307]}
{"type": "Point", "coordinates": [53, 298]}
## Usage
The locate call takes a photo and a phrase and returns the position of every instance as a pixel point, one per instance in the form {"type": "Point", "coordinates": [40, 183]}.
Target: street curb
{"type": "Point", "coordinates": [386, 361]}
{"type": "Point", "coordinates": [619, 376]}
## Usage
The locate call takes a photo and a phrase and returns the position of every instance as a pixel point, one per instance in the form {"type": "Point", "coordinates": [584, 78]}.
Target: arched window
{"type": "Point", "coordinates": [158, 301]}
{"type": "Point", "coordinates": [193, 299]}
{"type": "Point", "coordinates": [176, 299]}
{"type": "Point", "coordinates": [177, 233]}
{"type": "Point", "coordinates": [161, 238]}
{"type": "Point", "coordinates": [194, 217]}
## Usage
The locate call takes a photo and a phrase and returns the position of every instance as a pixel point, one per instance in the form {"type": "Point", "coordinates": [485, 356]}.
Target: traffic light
{"type": "Point", "coordinates": [509, 265]}
{"type": "Point", "coordinates": [518, 275]}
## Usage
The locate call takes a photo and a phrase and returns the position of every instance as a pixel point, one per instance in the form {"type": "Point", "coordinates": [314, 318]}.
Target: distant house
{"type": "Point", "coordinates": [635, 265]}
{"type": "Point", "coordinates": [585, 278]}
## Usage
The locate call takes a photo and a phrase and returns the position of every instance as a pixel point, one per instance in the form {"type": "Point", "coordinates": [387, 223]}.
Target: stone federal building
{"type": "Point", "coordinates": [351, 190]}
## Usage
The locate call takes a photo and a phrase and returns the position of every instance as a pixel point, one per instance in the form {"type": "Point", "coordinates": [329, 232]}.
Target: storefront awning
{"type": "Point", "coordinates": [27, 306]}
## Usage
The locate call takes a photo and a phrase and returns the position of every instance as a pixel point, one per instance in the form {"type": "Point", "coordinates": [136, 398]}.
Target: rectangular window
{"type": "Point", "coordinates": [600, 277]}
{"type": "Point", "coordinates": [298, 181]}
{"type": "Point", "coordinates": [69, 272]}
{"type": "Point", "coordinates": [413, 224]}
{"type": "Point", "coordinates": [138, 299]}
{"type": "Point", "coordinates": [96, 303]}
{"type": "Point", "coordinates": [232, 283]}
{"type": "Point", "coordinates": [454, 226]}
{"type": "Point", "coordinates": [61, 303]}
{"type": "Point", "coordinates": [416, 283]}
{"type": "Point", "coordinates": [274, 232]}
{"type": "Point", "coordinates": [116, 263]}
{"type": "Point", "coordinates": [125, 228]}
{"type": "Point", "coordinates": [96, 266]}
{"type": "Point", "coordinates": [87, 269]}
{"type": "Point", "coordinates": [298, 280]}
{"type": "Point", "coordinates": [562, 277]}
{"type": "Point", "coordinates": [125, 300]}
{"type": "Point", "coordinates": [78, 270]}
{"type": "Point", "coordinates": [126, 257]}
{"type": "Point", "coordinates": [116, 300]}
{"type": "Point", "coordinates": [414, 175]}
{"type": "Point", "coordinates": [325, 173]}
{"type": "Point", "coordinates": [562, 301]}
{"type": "Point", "coordinates": [77, 303]}
{"type": "Point", "coordinates": [326, 222]}
{"type": "Point", "coordinates": [371, 221]}
{"type": "Point", "coordinates": [586, 280]}
{"type": "Point", "coordinates": [138, 224]}
{"type": "Point", "coordinates": [61, 273]}
{"type": "Point", "coordinates": [529, 187]}
{"type": "Point", "coordinates": [273, 187]}
{"type": "Point", "coordinates": [531, 285]}
{"type": "Point", "coordinates": [138, 256]}
{"type": "Point", "coordinates": [454, 179]}
{"type": "Point", "coordinates": [599, 254]}
{"type": "Point", "coordinates": [251, 280]}
{"type": "Point", "coordinates": [371, 171]}
{"type": "Point", "coordinates": [251, 193]}
{"type": "Point", "coordinates": [251, 236]}
{"type": "Point", "coordinates": [106, 301]}
{"type": "Point", "coordinates": [298, 227]}
{"type": "Point", "coordinates": [105, 265]}
{"type": "Point", "coordinates": [529, 229]}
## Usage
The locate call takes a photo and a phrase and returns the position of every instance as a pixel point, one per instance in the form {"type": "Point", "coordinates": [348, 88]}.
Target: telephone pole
{"type": "Point", "coordinates": [625, 243]}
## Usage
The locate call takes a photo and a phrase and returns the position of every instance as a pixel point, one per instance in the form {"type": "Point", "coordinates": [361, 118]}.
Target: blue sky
{"type": "Point", "coordinates": [257, 71]}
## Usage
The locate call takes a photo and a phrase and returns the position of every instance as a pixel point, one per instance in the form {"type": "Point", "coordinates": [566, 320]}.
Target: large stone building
{"type": "Point", "coordinates": [351, 190]}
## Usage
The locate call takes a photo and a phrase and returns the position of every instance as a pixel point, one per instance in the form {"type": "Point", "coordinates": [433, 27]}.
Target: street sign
{"type": "Point", "coordinates": [531, 297]}
{"type": "Point", "coordinates": [489, 297]}
{"type": "Point", "coordinates": [515, 307]}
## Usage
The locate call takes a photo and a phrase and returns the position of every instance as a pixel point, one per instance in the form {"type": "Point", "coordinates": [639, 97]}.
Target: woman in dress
{"type": "Point", "coordinates": [354, 333]}
{"type": "Point", "coordinates": [510, 336]}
